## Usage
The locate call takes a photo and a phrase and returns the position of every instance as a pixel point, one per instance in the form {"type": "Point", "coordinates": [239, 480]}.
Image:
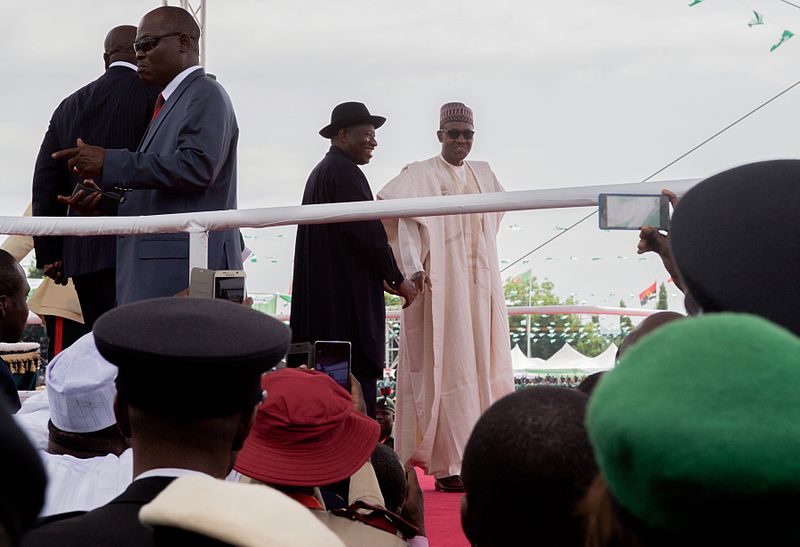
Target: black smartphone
{"type": "Point", "coordinates": [299, 354]}
{"type": "Point", "coordinates": [109, 202]}
{"type": "Point", "coordinates": [333, 358]}
{"type": "Point", "coordinates": [632, 211]}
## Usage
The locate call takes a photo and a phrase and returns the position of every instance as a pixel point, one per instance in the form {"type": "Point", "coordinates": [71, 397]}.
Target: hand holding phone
{"type": "Point", "coordinates": [633, 211]}
{"type": "Point", "coordinates": [333, 358]}
{"type": "Point", "coordinates": [224, 284]}
{"type": "Point", "coordinates": [89, 200]}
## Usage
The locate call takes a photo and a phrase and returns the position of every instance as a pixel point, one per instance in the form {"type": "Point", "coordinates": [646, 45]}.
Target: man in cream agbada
{"type": "Point", "coordinates": [455, 359]}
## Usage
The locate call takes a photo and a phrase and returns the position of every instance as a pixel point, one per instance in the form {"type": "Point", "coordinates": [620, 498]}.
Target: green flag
{"type": "Point", "coordinates": [695, 2]}
{"type": "Point", "coordinates": [785, 36]}
{"type": "Point", "coordinates": [524, 277]}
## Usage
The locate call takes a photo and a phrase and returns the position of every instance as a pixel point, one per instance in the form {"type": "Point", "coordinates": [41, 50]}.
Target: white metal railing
{"type": "Point", "coordinates": [198, 224]}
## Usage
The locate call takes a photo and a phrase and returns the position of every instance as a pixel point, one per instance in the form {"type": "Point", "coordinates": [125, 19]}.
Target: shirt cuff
{"type": "Point", "coordinates": [418, 541]}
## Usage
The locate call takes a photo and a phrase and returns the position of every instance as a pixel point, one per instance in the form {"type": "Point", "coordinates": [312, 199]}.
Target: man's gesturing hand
{"type": "Point", "coordinates": [85, 160]}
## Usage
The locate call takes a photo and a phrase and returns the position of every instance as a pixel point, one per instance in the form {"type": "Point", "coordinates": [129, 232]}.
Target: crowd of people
{"type": "Point", "coordinates": [168, 420]}
{"type": "Point", "coordinates": [548, 380]}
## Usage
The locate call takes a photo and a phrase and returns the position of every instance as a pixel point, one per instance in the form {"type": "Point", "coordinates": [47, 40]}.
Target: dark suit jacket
{"type": "Point", "coordinates": [112, 112]}
{"type": "Point", "coordinates": [115, 524]}
{"type": "Point", "coordinates": [8, 387]}
{"type": "Point", "coordinates": [339, 269]}
{"type": "Point", "coordinates": [186, 162]}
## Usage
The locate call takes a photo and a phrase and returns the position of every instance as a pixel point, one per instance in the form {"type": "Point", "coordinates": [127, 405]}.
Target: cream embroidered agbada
{"type": "Point", "coordinates": [455, 358]}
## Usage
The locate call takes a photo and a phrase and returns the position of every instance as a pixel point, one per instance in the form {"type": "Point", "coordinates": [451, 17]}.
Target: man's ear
{"type": "Point", "coordinates": [106, 60]}
{"type": "Point", "coordinates": [185, 42]}
{"type": "Point", "coordinates": [123, 419]}
{"type": "Point", "coordinates": [440, 135]}
{"type": "Point", "coordinates": [4, 305]}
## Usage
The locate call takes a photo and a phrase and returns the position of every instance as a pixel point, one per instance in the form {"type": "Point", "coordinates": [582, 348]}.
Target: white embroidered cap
{"type": "Point", "coordinates": [81, 389]}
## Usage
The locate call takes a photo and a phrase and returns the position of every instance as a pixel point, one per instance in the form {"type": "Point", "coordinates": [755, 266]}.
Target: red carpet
{"type": "Point", "coordinates": [442, 515]}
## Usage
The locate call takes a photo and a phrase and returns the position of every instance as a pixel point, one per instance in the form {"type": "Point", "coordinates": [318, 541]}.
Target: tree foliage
{"type": "Point", "coordinates": [549, 333]}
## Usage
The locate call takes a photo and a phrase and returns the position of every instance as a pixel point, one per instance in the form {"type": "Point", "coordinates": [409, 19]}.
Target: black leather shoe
{"type": "Point", "coordinates": [452, 483]}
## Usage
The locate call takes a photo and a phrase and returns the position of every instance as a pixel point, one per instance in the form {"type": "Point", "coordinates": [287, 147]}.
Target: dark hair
{"type": "Point", "coordinates": [11, 278]}
{"type": "Point", "coordinates": [588, 384]}
{"type": "Point", "coordinates": [391, 477]}
{"type": "Point", "coordinates": [526, 466]}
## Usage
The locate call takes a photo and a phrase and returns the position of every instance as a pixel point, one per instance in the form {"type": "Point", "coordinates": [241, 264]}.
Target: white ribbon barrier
{"type": "Point", "coordinates": [205, 221]}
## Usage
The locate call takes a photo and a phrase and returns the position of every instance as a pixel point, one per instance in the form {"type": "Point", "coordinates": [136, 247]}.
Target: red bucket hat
{"type": "Point", "coordinates": [306, 432]}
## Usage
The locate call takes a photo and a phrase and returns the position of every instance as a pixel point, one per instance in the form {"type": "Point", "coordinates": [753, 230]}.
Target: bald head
{"type": "Point", "coordinates": [119, 45]}
{"type": "Point", "coordinates": [167, 43]}
{"type": "Point", "coordinates": [647, 326]}
{"type": "Point", "coordinates": [174, 19]}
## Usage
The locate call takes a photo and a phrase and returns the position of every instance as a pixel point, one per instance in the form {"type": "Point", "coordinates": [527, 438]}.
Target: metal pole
{"type": "Point", "coordinates": [198, 250]}
{"type": "Point", "coordinates": [528, 322]}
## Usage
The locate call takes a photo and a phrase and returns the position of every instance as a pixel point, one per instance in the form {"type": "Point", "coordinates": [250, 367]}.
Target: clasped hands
{"type": "Point", "coordinates": [411, 288]}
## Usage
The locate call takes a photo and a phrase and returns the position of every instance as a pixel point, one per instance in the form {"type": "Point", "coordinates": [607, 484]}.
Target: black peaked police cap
{"type": "Point", "coordinates": [736, 241]}
{"type": "Point", "coordinates": [190, 357]}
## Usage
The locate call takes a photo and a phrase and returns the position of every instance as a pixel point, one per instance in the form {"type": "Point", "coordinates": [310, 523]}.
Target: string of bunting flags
{"type": "Point", "coordinates": [757, 19]}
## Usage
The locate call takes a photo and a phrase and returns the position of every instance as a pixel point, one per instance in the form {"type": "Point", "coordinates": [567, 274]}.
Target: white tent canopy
{"type": "Point", "coordinates": [567, 360]}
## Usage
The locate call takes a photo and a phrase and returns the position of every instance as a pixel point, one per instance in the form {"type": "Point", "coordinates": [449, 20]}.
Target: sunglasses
{"type": "Point", "coordinates": [455, 133]}
{"type": "Point", "coordinates": [146, 44]}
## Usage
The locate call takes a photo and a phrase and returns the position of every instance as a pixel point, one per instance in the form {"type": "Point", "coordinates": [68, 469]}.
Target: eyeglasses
{"type": "Point", "coordinates": [455, 133]}
{"type": "Point", "coordinates": [146, 44]}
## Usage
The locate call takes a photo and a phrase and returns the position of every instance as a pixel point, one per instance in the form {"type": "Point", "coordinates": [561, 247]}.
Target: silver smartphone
{"type": "Point", "coordinates": [225, 284]}
{"type": "Point", "coordinates": [632, 211]}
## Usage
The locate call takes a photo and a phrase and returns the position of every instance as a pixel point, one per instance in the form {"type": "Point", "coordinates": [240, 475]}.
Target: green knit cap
{"type": "Point", "coordinates": [698, 429]}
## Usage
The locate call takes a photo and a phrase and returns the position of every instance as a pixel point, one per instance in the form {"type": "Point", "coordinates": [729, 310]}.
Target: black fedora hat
{"type": "Point", "coordinates": [348, 115]}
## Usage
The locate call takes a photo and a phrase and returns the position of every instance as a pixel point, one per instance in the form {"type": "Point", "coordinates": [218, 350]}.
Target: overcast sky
{"type": "Point", "coordinates": [564, 93]}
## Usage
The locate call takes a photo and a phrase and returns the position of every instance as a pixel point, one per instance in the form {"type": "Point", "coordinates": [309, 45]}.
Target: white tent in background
{"type": "Point", "coordinates": [565, 358]}
{"type": "Point", "coordinates": [522, 364]}
{"type": "Point", "coordinates": [604, 361]}
{"type": "Point", "coordinates": [518, 359]}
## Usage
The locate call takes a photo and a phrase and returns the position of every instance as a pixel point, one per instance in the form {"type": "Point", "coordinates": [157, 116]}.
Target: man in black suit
{"type": "Point", "coordinates": [113, 111]}
{"type": "Point", "coordinates": [216, 352]}
{"type": "Point", "coordinates": [341, 270]}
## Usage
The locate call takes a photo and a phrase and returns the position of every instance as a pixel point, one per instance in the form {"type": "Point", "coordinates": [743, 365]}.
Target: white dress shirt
{"type": "Point", "coordinates": [176, 81]}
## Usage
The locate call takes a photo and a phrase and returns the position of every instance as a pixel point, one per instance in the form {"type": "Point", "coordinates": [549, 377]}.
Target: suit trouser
{"type": "Point", "coordinates": [97, 293]}
{"type": "Point", "coordinates": [61, 334]}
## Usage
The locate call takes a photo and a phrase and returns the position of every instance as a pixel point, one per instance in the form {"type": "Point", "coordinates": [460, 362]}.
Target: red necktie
{"type": "Point", "coordinates": [159, 104]}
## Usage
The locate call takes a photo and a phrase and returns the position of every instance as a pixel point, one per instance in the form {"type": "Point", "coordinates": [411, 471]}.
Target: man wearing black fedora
{"type": "Point", "coordinates": [341, 270]}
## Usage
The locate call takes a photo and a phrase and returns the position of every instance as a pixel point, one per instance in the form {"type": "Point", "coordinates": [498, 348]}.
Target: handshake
{"type": "Point", "coordinates": [409, 289]}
